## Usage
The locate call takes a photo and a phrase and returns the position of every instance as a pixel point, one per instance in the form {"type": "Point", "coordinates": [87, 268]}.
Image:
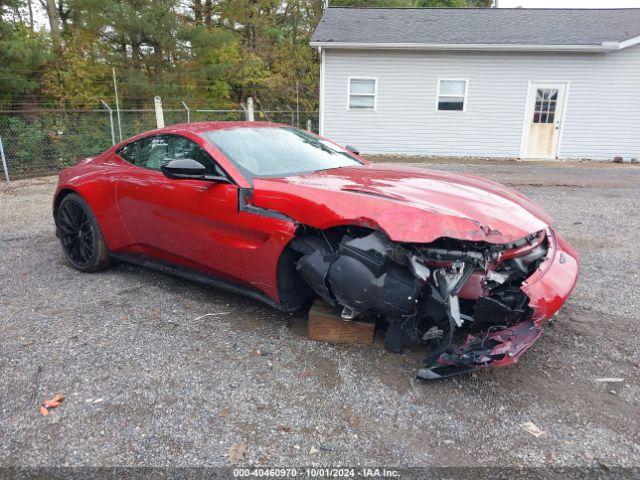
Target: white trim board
{"type": "Point", "coordinates": [322, 97]}
{"type": "Point", "coordinates": [603, 47]}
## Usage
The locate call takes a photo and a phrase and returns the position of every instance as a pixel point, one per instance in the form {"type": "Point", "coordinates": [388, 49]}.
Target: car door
{"type": "Point", "coordinates": [186, 222]}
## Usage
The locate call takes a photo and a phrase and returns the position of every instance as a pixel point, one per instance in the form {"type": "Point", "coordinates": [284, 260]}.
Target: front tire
{"type": "Point", "coordinates": [80, 236]}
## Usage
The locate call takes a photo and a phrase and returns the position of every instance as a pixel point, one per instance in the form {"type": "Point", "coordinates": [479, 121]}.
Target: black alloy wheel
{"type": "Point", "coordinates": [80, 235]}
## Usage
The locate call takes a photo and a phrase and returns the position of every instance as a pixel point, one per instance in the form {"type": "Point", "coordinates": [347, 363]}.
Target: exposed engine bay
{"type": "Point", "coordinates": [462, 299]}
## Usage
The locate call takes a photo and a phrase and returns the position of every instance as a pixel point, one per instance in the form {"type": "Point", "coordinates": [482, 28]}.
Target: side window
{"type": "Point", "coordinates": [153, 152]}
{"type": "Point", "coordinates": [185, 148]}
{"type": "Point", "coordinates": [128, 152]}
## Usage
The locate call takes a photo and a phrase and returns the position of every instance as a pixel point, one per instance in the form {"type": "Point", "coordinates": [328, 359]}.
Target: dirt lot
{"type": "Point", "coordinates": [150, 380]}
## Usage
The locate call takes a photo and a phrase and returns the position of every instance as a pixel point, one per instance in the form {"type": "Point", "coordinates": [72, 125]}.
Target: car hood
{"type": "Point", "coordinates": [455, 205]}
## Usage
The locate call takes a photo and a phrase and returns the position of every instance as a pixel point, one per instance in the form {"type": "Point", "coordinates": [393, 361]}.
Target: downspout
{"type": "Point", "coordinates": [322, 96]}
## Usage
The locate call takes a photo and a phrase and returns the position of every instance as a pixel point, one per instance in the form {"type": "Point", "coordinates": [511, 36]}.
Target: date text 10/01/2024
{"type": "Point", "coordinates": [315, 473]}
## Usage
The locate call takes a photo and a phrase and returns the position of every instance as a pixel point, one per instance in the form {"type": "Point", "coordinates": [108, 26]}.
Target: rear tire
{"type": "Point", "coordinates": [80, 236]}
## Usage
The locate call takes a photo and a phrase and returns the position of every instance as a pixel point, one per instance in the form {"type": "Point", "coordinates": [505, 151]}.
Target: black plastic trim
{"type": "Point", "coordinates": [244, 206]}
{"type": "Point", "coordinates": [200, 277]}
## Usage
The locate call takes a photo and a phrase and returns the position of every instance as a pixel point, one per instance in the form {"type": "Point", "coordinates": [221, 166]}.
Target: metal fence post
{"type": "Point", "coordinates": [298, 103]}
{"type": "Point", "coordinates": [113, 131]}
{"type": "Point", "coordinates": [159, 113]}
{"type": "Point", "coordinates": [293, 121]}
{"type": "Point", "coordinates": [250, 115]}
{"type": "Point", "coordinates": [188, 112]}
{"type": "Point", "coordinates": [115, 88]}
{"type": "Point", "coordinates": [4, 161]}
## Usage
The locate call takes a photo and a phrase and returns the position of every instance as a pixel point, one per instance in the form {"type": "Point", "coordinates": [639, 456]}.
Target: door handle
{"type": "Point", "coordinates": [558, 125]}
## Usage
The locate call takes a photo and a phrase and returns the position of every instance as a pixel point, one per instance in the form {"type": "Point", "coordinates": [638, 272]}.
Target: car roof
{"type": "Point", "coordinates": [196, 128]}
{"type": "Point", "coordinates": [199, 127]}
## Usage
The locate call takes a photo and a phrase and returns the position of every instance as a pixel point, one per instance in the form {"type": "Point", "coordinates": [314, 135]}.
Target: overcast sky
{"type": "Point", "coordinates": [41, 18]}
{"type": "Point", "coordinates": [569, 3]}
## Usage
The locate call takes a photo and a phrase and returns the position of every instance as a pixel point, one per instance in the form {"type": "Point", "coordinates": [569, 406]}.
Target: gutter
{"type": "Point", "coordinates": [603, 47]}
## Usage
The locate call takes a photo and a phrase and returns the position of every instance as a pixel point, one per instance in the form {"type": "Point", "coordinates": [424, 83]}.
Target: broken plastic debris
{"type": "Point", "coordinates": [47, 405]}
{"type": "Point", "coordinates": [533, 429]}
{"type": "Point", "coordinates": [54, 402]}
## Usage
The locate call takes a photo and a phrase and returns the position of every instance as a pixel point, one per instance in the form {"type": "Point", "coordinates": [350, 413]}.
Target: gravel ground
{"type": "Point", "coordinates": [151, 381]}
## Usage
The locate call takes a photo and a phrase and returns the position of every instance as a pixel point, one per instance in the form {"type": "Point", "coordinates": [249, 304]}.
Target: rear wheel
{"type": "Point", "coordinates": [80, 235]}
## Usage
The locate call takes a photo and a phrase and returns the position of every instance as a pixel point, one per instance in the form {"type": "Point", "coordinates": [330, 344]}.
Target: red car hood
{"type": "Point", "coordinates": [393, 197]}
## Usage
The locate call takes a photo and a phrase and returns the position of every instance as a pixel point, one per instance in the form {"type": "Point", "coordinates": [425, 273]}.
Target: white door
{"type": "Point", "coordinates": [544, 118]}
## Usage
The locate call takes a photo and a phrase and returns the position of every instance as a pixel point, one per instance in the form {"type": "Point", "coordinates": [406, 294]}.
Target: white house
{"type": "Point", "coordinates": [529, 83]}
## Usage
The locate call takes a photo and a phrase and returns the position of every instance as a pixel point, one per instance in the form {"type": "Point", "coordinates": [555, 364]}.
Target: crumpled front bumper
{"type": "Point", "coordinates": [548, 288]}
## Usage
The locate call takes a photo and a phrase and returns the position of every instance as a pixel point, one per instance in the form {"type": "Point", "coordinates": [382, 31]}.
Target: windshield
{"type": "Point", "coordinates": [278, 151]}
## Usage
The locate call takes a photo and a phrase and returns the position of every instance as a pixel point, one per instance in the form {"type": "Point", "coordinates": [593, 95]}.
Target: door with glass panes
{"type": "Point", "coordinates": [544, 120]}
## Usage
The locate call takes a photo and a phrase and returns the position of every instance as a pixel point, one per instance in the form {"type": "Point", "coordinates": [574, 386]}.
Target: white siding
{"type": "Point", "coordinates": [602, 116]}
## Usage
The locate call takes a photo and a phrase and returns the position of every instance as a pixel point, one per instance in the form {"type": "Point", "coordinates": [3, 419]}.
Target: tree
{"type": "Point", "coordinates": [23, 54]}
{"type": "Point", "coordinates": [214, 52]}
{"type": "Point", "coordinates": [54, 24]}
{"type": "Point", "coordinates": [77, 81]}
{"type": "Point", "coordinates": [214, 62]}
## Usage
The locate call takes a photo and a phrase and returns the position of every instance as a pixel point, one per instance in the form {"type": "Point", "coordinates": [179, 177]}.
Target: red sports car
{"type": "Point", "coordinates": [468, 266]}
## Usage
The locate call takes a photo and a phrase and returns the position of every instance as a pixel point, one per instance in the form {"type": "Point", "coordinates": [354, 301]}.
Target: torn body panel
{"type": "Point", "coordinates": [422, 291]}
{"type": "Point", "coordinates": [411, 205]}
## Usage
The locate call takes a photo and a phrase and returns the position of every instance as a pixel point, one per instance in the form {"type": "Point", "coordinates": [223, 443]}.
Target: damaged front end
{"type": "Point", "coordinates": [464, 300]}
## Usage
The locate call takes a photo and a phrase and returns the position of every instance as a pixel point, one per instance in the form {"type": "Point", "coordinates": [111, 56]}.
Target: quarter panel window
{"type": "Point", "coordinates": [128, 152]}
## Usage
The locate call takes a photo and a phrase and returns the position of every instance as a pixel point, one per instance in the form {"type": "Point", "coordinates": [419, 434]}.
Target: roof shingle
{"type": "Point", "coordinates": [495, 26]}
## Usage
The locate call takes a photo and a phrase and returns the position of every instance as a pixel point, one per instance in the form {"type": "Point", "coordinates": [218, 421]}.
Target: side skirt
{"type": "Point", "coordinates": [202, 278]}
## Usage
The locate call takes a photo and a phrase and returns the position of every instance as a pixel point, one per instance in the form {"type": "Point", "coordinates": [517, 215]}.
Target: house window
{"type": "Point", "coordinates": [452, 95]}
{"type": "Point", "coordinates": [362, 93]}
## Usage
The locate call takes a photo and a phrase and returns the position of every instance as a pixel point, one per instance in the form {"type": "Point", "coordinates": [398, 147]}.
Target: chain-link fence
{"type": "Point", "coordinates": [43, 142]}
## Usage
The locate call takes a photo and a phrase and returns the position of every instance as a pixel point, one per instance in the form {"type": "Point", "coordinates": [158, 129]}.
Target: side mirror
{"type": "Point", "coordinates": [183, 168]}
{"type": "Point", "coordinates": [186, 168]}
{"type": "Point", "coordinates": [353, 149]}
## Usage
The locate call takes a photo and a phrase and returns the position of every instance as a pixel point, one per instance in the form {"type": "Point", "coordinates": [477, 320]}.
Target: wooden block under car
{"type": "Point", "coordinates": [326, 325]}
